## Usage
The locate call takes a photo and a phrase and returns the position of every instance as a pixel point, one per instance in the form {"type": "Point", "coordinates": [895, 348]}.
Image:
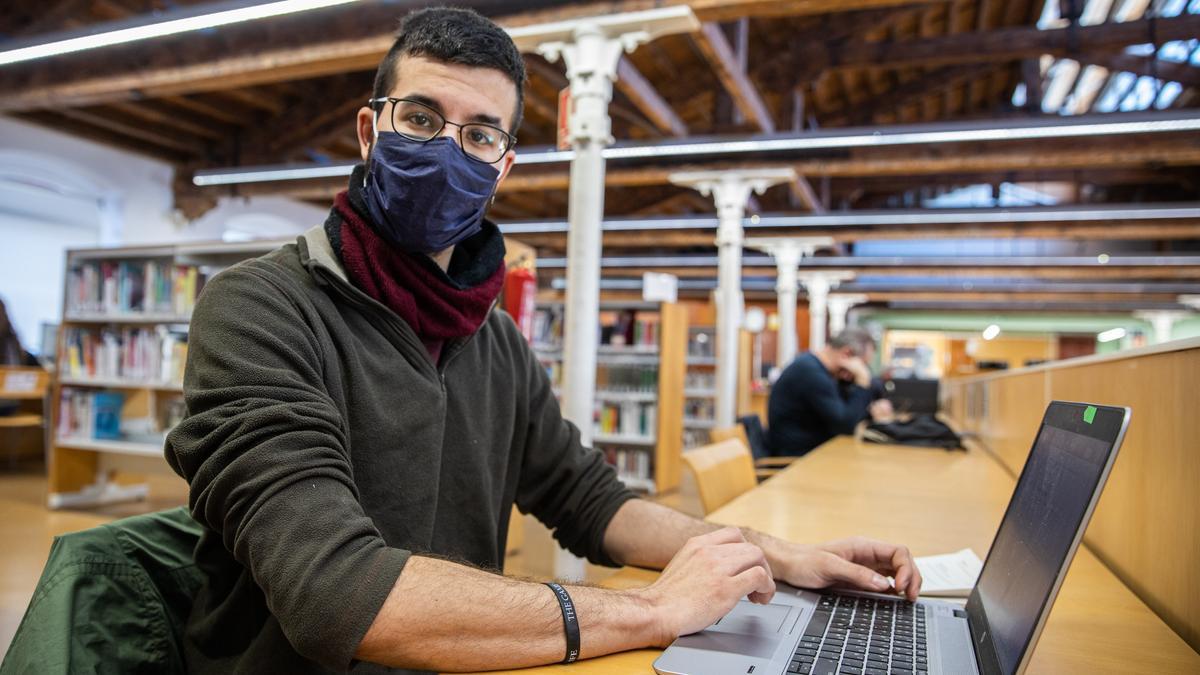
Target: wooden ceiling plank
{"type": "Point", "coordinates": [99, 135]}
{"type": "Point", "coordinates": [1011, 43]}
{"type": "Point", "coordinates": [134, 131]}
{"type": "Point", "coordinates": [647, 99]}
{"type": "Point", "coordinates": [1169, 71]}
{"type": "Point", "coordinates": [222, 113]}
{"type": "Point", "coordinates": [715, 48]}
{"type": "Point", "coordinates": [152, 112]}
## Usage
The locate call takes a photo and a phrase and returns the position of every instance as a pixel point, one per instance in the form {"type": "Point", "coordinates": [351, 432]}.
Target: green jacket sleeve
{"type": "Point", "coordinates": [568, 487]}
{"type": "Point", "coordinates": [264, 451]}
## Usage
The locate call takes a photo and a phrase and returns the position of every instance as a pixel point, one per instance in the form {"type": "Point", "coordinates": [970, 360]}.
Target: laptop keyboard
{"type": "Point", "coordinates": [862, 636]}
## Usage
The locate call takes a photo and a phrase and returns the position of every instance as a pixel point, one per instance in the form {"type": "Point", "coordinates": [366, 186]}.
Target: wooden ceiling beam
{"type": "Point", "coordinates": [217, 112]}
{"type": "Point", "coordinates": [1003, 44]}
{"type": "Point", "coordinates": [157, 113]}
{"type": "Point", "coordinates": [301, 46]}
{"type": "Point", "coordinates": [646, 98]}
{"type": "Point", "coordinates": [1169, 71]}
{"type": "Point", "coordinates": [92, 132]}
{"type": "Point", "coordinates": [933, 83]}
{"type": "Point", "coordinates": [138, 132]}
{"type": "Point", "coordinates": [715, 47]}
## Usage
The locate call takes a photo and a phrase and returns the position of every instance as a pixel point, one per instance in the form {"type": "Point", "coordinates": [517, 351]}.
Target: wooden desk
{"type": "Point", "coordinates": [935, 502]}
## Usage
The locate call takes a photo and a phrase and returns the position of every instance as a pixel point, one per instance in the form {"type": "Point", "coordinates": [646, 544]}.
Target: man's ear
{"type": "Point", "coordinates": [506, 165]}
{"type": "Point", "coordinates": [365, 130]}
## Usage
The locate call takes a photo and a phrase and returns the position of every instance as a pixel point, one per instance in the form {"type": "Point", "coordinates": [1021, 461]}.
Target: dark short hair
{"type": "Point", "coordinates": [459, 36]}
{"type": "Point", "coordinates": [856, 339]}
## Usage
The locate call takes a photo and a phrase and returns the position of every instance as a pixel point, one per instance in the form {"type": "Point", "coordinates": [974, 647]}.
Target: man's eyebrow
{"type": "Point", "coordinates": [436, 105]}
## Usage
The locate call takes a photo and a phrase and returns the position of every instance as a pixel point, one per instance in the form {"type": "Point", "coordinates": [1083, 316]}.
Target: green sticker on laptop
{"type": "Point", "coordinates": [1089, 414]}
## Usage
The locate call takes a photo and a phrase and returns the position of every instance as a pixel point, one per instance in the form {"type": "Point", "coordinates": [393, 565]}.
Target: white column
{"type": "Point", "coordinates": [787, 251]}
{"type": "Point", "coordinates": [787, 287]}
{"type": "Point", "coordinates": [818, 285]}
{"type": "Point", "coordinates": [730, 190]}
{"type": "Point", "coordinates": [1162, 320]}
{"type": "Point", "coordinates": [839, 308]}
{"type": "Point", "coordinates": [591, 62]}
{"type": "Point", "coordinates": [590, 48]}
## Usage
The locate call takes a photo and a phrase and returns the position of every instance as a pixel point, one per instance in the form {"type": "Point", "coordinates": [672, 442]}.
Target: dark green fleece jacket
{"type": "Point", "coordinates": [323, 448]}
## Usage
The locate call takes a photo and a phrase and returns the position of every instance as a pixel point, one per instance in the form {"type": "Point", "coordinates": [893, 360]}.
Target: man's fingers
{"type": "Point", "coordinates": [852, 573]}
{"type": "Point", "coordinates": [757, 584]}
{"type": "Point", "coordinates": [908, 577]}
{"type": "Point", "coordinates": [741, 557]}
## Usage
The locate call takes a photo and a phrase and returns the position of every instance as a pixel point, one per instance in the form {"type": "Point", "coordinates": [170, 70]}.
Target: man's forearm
{"type": "Point", "coordinates": [449, 617]}
{"type": "Point", "coordinates": [646, 534]}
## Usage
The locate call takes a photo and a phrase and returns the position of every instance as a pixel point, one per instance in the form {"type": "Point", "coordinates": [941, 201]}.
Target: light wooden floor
{"type": "Point", "coordinates": [27, 529]}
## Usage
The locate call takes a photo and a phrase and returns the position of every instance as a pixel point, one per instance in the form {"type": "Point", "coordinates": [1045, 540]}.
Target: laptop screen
{"type": "Point", "coordinates": [1047, 510]}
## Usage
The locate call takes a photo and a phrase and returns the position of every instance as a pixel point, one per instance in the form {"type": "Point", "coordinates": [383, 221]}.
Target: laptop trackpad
{"type": "Point", "coordinates": [748, 629]}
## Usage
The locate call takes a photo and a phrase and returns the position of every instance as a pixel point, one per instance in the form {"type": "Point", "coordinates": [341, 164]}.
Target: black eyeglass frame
{"type": "Point", "coordinates": [512, 140]}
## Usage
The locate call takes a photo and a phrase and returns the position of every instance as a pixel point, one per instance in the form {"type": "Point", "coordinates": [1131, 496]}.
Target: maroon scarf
{"type": "Point", "coordinates": [438, 305]}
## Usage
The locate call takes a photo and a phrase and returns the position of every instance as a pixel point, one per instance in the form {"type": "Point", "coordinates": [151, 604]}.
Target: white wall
{"type": "Point", "coordinates": [59, 192]}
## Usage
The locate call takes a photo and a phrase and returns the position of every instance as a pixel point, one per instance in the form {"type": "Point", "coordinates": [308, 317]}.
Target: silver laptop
{"type": "Point", "coordinates": [823, 632]}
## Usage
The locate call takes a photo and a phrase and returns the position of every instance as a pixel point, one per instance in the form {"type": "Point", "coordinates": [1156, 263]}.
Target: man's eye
{"type": "Point", "coordinates": [479, 137]}
{"type": "Point", "coordinates": [420, 119]}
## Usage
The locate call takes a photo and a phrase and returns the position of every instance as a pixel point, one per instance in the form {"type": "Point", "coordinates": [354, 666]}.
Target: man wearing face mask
{"type": "Point", "coordinates": [361, 423]}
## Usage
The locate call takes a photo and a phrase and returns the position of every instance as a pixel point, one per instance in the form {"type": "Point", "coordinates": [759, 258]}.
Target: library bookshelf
{"type": "Point", "coordinates": [122, 343]}
{"type": "Point", "coordinates": [699, 392]}
{"type": "Point", "coordinates": [638, 421]}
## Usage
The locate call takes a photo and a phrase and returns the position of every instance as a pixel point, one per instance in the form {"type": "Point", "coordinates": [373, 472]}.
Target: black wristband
{"type": "Point", "coordinates": [570, 622]}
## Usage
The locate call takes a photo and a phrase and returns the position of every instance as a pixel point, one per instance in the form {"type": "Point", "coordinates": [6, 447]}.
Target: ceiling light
{"type": "Point", "coordinates": [272, 173]}
{"type": "Point", "coordinates": [991, 332]}
{"type": "Point", "coordinates": [1103, 258]}
{"type": "Point", "coordinates": [879, 218]}
{"type": "Point", "coordinates": [1111, 334]}
{"type": "Point", "coordinates": [236, 14]}
{"type": "Point", "coordinates": [956, 132]}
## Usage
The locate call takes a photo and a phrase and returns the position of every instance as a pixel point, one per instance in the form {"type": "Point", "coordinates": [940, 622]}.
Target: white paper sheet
{"type": "Point", "coordinates": [950, 574]}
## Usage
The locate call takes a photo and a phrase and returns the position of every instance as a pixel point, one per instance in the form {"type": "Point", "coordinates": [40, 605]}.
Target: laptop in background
{"type": "Point", "coordinates": [824, 632]}
{"type": "Point", "coordinates": [912, 395]}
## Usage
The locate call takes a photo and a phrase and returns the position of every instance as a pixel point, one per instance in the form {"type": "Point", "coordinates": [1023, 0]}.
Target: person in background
{"type": "Point", "coordinates": [11, 351]}
{"type": "Point", "coordinates": [822, 394]}
{"type": "Point", "coordinates": [11, 354]}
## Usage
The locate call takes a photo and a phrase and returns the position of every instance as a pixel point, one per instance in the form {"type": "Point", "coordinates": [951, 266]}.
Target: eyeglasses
{"type": "Point", "coordinates": [417, 121]}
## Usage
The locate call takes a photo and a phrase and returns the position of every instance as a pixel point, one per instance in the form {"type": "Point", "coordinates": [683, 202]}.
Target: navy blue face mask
{"type": "Point", "coordinates": [426, 197]}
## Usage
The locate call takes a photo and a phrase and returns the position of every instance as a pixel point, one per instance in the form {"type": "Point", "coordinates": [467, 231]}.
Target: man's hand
{"type": "Point", "coordinates": [858, 368]}
{"type": "Point", "coordinates": [705, 579]}
{"type": "Point", "coordinates": [882, 410]}
{"type": "Point", "coordinates": [858, 562]}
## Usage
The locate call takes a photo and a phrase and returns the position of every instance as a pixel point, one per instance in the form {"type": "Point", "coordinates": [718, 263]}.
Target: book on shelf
{"type": "Point", "coordinates": [90, 414]}
{"type": "Point", "coordinates": [630, 329]}
{"type": "Point", "coordinates": [548, 327]}
{"type": "Point", "coordinates": [701, 342]}
{"type": "Point", "coordinates": [87, 414]}
{"type": "Point", "coordinates": [133, 287]}
{"type": "Point", "coordinates": [699, 409]}
{"type": "Point", "coordinates": [629, 463]}
{"type": "Point", "coordinates": [135, 354]}
{"type": "Point", "coordinates": [627, 378]}
{"type": "Point", "coordinates": [626, 418]}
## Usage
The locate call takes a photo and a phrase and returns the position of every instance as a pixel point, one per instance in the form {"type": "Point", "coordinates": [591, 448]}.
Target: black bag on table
{"type": "Point", "coordinates": [921, 430]}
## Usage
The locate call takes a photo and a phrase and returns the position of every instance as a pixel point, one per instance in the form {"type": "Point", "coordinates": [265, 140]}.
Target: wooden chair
{"type": "Point", "coordinates": [722, 471]}
{"type": "Point", "coordinates": [764, 467]}
{"type": "Point", "coordinates": [26, 387]}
